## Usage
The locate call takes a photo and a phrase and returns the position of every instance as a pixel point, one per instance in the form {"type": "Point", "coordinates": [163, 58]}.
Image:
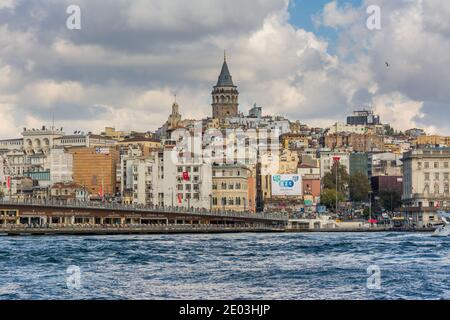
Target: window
{"type": "Point", "coordinates": [436, 176]}
{"type": "Point", "coordinates": [446, 165]}
{"type": "Point", "coordinates": [427, 176]}
{"type": "Point", "coordinates": [180, 169]}
{"type": "Point", "coordinates": [195, 169]}
{"type": "Point", "coordinates": [436, 165]}
{"type": "Point", "coordinates": [214, 200]}
{"type": "Point", "coordinates": [224, 201]}
{"type": "Point", "coordinates": [446, 176]}
{"type": "Point", "coordinates": [427, 165]}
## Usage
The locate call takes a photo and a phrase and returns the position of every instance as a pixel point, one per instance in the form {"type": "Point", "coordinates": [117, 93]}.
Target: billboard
{"type": "Point", "coordinates": [286, 185]}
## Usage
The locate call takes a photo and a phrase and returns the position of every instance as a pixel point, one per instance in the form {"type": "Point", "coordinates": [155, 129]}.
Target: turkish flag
{"type": "Point", "coordinates": [186, 176]}
{"type": "Point", "coordinates": [8, 183]}
{"type": "Point", "coordinates": [101, 192]}
{"type": "Point", "coordinates": [180, 198]}
{"type": "Point", "coordinates": [336, 159]}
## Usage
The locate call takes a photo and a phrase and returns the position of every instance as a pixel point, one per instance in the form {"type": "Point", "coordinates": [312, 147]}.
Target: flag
{"type": "Point", "coordinates": [101, 192]}
{"type": "Point", "coordinates": [8, 182]}
{"type": "Point", "coordinates": [180, 198]}
{"type": "Point", "coordinates": [336, 159]}
{"type": "Point", "coordinates": [186, 176]}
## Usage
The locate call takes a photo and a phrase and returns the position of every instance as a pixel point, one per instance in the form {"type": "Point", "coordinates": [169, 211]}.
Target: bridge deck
{"type": "Point", "coordinates": [136, 209]}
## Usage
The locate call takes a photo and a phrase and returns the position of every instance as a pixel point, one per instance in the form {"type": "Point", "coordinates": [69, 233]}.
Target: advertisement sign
{"type": "Point", "coordinates": [286, 185]}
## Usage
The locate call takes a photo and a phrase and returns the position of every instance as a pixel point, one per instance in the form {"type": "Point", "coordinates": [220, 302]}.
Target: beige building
{"type": "Point", "coordinates": [113, 134]}
{"type": "Point", "coordinates": [233, 188]}
{"type": "Point", "coordinates": [146, 145]}
{"type": "Point", "coordinates": [433, 140]}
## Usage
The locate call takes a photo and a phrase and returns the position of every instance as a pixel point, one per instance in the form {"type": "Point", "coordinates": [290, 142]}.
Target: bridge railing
{"type": "Point", "coordinates": [145, 208]}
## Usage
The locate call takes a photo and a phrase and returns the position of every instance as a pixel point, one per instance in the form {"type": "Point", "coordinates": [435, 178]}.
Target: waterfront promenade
{"type": "Point", "coordinates": [96, 218]}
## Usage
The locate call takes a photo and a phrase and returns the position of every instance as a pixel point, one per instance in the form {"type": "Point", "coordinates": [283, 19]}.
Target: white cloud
{"type": "Point", "coordinates": [7, 4]}
{"type": "Point", "coordinates": [123, 68]}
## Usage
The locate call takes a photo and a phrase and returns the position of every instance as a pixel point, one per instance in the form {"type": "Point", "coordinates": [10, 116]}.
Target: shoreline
{"type": "Point", "coordinates": [164, 230]}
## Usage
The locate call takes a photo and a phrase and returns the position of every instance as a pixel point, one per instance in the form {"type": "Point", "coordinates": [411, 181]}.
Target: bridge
{"type": "Point", "coordinates": [51, 216]}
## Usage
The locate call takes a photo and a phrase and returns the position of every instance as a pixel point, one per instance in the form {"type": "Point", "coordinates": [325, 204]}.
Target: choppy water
{"type": "Point", "coordinates": [238, 266]}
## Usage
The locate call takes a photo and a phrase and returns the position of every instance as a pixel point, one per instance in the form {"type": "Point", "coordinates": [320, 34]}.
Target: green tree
{"type": "Point", "coordinates": [389, 131]}
{"type": "Point", "coordinates": [390, 199]}
{"type": "Point", "coordinates": [329, 179]}
{"type": "Point", "coordinates": [328, 198]}
{"type": "Point", "coordinates": [359, 187]}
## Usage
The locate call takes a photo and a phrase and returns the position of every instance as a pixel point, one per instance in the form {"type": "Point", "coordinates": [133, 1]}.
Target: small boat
{"type": "Point", "coordinates": [444, 230]}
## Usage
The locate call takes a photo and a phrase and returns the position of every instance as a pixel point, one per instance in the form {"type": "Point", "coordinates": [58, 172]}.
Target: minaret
{"type": "Point", "coordinates": [225, 95]}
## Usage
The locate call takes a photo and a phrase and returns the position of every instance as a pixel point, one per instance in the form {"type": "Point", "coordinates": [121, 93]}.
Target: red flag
{"type": "Point", "coordinates": [180, 198]}
{"type": "Point", "coordinates": [336, 159]}
{"type": "Point", "coordinates": [101, 192]}
{"type": "Point", "coordinates": [8, 183]}
{"type": "Point", "coordinates": [186, 176]}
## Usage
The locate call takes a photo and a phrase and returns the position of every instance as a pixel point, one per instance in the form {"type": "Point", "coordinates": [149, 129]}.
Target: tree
{"type": "Point", "coordinates": [389, 131]}
{"type": "Point", "coordinates": [328, 198]}
{"type": "Point", "coordinates": [390, 199]}
{"type": "Point", "coordinates": [359, 187]}
{"type": "Point", "coordinates": [329, 179]}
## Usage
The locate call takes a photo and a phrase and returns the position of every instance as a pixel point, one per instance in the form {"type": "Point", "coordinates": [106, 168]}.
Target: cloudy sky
{"type": "Point", "coordinates": [311, 60]}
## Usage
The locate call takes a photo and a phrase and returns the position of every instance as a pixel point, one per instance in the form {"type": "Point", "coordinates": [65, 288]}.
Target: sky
{"type": "Point", "coordinates": [310, 60]}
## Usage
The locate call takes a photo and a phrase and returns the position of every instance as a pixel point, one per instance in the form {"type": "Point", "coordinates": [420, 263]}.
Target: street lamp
{"type": "Point", "coordinates": [336, 162]}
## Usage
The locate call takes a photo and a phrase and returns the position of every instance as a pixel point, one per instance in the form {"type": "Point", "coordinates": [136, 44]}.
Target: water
{"type": "Point", "coordinates": [236, 266]}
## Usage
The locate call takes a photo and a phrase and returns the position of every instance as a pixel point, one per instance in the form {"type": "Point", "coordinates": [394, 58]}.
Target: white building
{"type": "Point", "coordinates": [327, 160]}
{"type": "Point", "coordinates": [183, 182]}
{"type": "Point", "coordinates": [426, 178]}
{"type": "Point", "coordinates": [84, 140]}
{"type": "Point", "coordinates": [60, 164]}
{"type": "Point", "coordinates": [384, 164]}
{"type": "Point", "coordinates": [11, 144]}
{"type": "Point", "coordinates": [143, 180]}
{"type": "Point", "coordinates": [40, 140]}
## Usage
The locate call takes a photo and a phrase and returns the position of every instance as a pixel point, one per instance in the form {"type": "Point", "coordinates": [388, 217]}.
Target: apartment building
{"type": "Point", "coordinates": [233, 188]}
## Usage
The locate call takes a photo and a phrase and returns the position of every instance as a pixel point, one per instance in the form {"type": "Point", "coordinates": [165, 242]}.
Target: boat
{"type": "Point", "coordinates": [443, 230]}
